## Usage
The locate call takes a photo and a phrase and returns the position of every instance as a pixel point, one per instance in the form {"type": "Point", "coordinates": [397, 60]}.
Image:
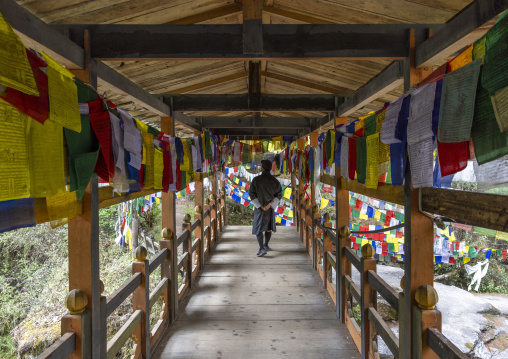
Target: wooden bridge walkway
{"type": "Point", "coordinates": [243, 306]}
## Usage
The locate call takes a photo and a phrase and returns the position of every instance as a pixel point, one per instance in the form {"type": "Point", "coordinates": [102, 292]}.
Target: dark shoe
{"type": "Point", "coordinates": [267, 248]}
{"type": "Point", "coordinates": [261, 252]}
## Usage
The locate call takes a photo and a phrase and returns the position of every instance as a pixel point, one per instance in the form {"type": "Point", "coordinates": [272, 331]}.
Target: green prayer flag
{"type": "Point", "coordinates": [83, 149]}
{"type": "Point", "coordinates": [352, 201]}
{"type": "Point", "coordinates": [391, 247]}
{"type": "Point", "coordinates": [472, 252]}
{"type": "Point", "coordinates": [85, 93]}
{"type": "Point", "coordinates": [208, 148]}
{"type": "Point", "coordinates": [484, 231]}
{"type": "Point", "coordinates": [488, 141]}
{"type": "Point", "coordinates": [356, 213]}
{"type": "Point", "coordinates": [361, 159]}
{"type": "Point", "coordinates": [383, 217]}
{"type": "Point", "coordinates": [370, 125]}
{"type": "Point", "coordinates": [356, 227]}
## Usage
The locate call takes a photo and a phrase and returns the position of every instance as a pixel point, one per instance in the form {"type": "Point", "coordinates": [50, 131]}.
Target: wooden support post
{"type": "Point", "coordinates": [418, 228]}
{"type": "Point", "coordinates": [168, 217]}
{"type": "Point", "coordinates": [83, 247]}
{"type": "Point", "coordinates": [165, 242]}
{"type": "Point", "coordinates": [207, 224]}
{"type": "Point", "coordinates": [78, 320]}
{"type": "Point", "coordinates": [344, 268]}
{"type": "Point", "coordinates": [316, 233]}
{"type": "Point", "coordinates": [199, 201]}
{"type": "Point", "coordinates": [425, 316]}
{"type": "Point", "coordinates": [369, 299]}
{"type": "Point", "coordinates": [294, 194]}
{"type": "Point", "coordinates": [403, 335]}
{"type": "Point", "coordinates": [104, 323]}
{"type": "Point", "coordinates": [327, 247]}
{"type": "Point", "coordinates": [141, 301]}
{"type": "Point", "coordinates": [198, 233]}
{"type": "Point", "coordinates": [83, 231]}
{"type": "Point", "coordinates": [187, 247]}
{"type": "Point", "coordinates": [313, 142]}
{"type": "Point", "coordinates": [308, 223]}
{"type": "Point", "coordinates": [213, 201]}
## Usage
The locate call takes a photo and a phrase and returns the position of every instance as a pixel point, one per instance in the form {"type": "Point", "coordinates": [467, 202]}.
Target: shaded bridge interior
{"type": "Point", "coordinates": [242, 306]}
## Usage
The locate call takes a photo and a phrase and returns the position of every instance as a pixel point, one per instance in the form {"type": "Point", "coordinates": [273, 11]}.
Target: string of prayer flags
{"type": "Point", "coordinates": [14, 162]}
{"type": "Point", "coordinates": [15, 70]}
{"type": "Point", "coordinates": [63, 96]}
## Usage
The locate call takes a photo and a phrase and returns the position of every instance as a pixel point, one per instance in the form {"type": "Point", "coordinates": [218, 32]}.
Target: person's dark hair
{"type": "Point", "coordinates": [266, 164]}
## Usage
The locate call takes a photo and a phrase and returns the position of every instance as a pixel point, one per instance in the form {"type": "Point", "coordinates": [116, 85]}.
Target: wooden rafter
{"type": "Point", "coordinates": [212, 82]}
{"type": "Point", "coordinates": [295, 15]}
{"type": "Point", "coordinates": [308, 84]}
{"type": "Point", "coordinates": [209, 15]}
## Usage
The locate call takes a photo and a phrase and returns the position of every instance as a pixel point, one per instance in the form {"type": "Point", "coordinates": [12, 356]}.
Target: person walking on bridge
{"type": "Point", "coordinates": [265, 192]}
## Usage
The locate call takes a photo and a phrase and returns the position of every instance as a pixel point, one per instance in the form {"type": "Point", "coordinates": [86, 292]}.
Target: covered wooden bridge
{"type": "Point", "coordinates": [256, 69]}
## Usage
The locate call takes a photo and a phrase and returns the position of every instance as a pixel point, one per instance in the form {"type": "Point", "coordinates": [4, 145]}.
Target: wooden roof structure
{"type": "Point", "coordinates": [332, 77]}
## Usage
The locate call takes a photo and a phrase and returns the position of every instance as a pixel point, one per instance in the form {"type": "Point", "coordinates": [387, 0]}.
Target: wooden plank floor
{"type": "Point", "coordinates": [243, 306]}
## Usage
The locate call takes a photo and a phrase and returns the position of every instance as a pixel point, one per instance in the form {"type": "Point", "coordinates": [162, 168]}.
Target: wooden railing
{"type": "Point", "coordinates": [197, 240]}
{"type": "Point", "coordinates": [333, 257]}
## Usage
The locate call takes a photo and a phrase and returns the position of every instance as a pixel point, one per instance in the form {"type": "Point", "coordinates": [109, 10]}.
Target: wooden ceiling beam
{"type": "Point", "coordinates": [258, 132]}
{"type": "Point", "coordinates": [212, 82]}
{"type": "Point", "coordinates": [391, 77]}
{"type": "Point", "coordinates": [240, 103]}
{"type": "Point", "coordinates": [462, 30]}
{"type": "Point", "coordinates": [253, 122]}
{"type": "Point", "coordinates": [200, 42]}
{"type": "Point", "coordinates": [304, 83]}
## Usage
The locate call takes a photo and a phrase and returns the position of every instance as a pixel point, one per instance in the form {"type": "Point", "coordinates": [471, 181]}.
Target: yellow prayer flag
{"type": "Point", "coordinates": [287, 193]}
{"type": "Point", "coordinates": [46, 159]}
{"type": "Point", "coordinates": [62, 208]}
{"type": "Point", "coordinates": [149, 165]}
{"type": "Point", "coordinates": [379, 120]}
{"type": "Point", "coordinates": [143, 127]}
{"type": "Point", "coordinates": [324, 203]}
{"type": "Point", "coordinates": [364, 241]}
{"type": "Point", "coordinates": [377, 215]}
{"type": "Point", "coordinates": [158, 169]}
{"type": "Point", "coordinates": [464, 58]}
{"type": "Point", "coordinates": [290, 214]}
{"type": "Point", "coordinates": [14, 163]}
{"type": "Point", "coordinates": [63, 96]}
{"type": "Point", "coordinates": [278, 219]}
{"type": "Point", "coordinates": [372, 160]}
{"type": "Point", "coordinates": [15, 70]}
{"type": "Point", "coordinates": [129, 236]}
{"type": "Point", "coordinates": [363, 216]}
{"type": "Point", "coordinates": [466, 260]}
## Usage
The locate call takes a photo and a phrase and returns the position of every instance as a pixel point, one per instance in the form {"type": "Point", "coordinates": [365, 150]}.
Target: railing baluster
{"type": "Point", "coordinates": [213, 203]}
{"type": "Point", "coordinates": [207, 224]}
{"type": "Point", "coordinates": [369, 299]}
{"type": "Point", "coordinates": [345, 266]}
{"type": "Point", "coordinates": [78, 320]}
{"type": "Point", "coordinates": [327, 247]}
{"type": "Point", "coordinates": [198, 233]}
{"type": "Point", "coordinates": [141, 301]}
{"type": "Point", "coordinates": [166, 268]}
{"type": "Point", "coordinates": [425, 316]}
{"type": "Point", "coordinates": [187, 247]}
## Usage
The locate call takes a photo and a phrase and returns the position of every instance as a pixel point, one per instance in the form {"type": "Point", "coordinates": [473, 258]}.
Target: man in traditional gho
{"type": "Point", "coordinates": [265, 192]}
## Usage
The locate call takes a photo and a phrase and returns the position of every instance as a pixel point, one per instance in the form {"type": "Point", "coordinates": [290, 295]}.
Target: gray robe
{"type": "Point", "coordinates": [265, 188]}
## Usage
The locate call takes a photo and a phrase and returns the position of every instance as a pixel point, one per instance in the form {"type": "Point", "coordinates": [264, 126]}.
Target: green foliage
{"type": "Point", "coordinates": [237, 214]}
